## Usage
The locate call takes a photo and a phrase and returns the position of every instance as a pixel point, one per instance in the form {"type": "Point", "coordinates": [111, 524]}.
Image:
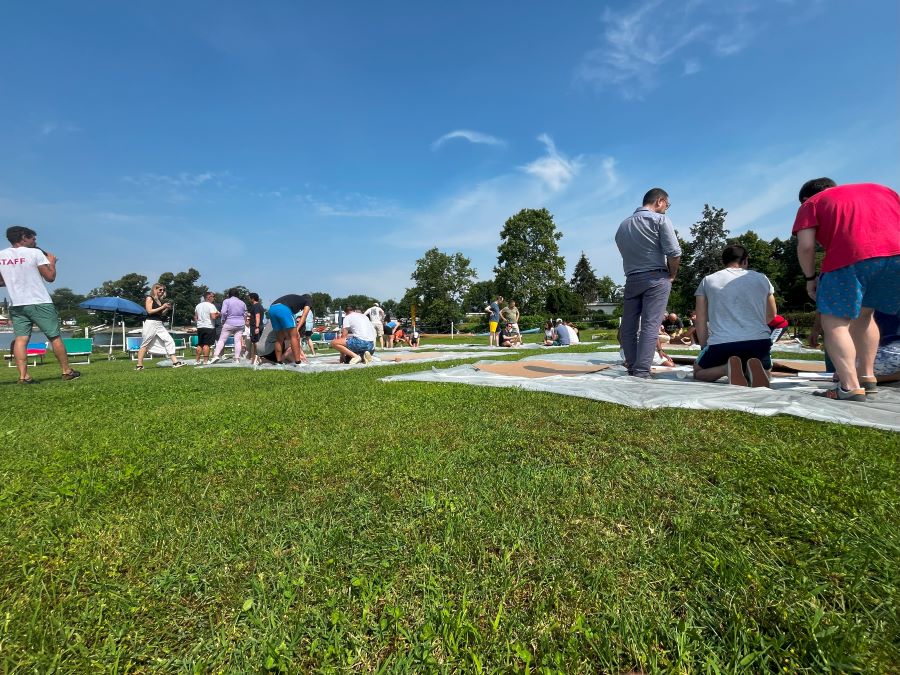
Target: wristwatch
{"type": "Point", "coordinates": [814, 276]}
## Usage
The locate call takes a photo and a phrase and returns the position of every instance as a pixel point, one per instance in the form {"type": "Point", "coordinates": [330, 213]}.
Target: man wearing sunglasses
{"type": "Point", "coordinates": [23, 270]}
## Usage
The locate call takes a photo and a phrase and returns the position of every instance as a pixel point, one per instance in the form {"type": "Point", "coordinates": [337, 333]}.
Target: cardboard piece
{"type": "Point", "coordinates": [786, 366]}
{"type": "Point", "coordinates": [533, 369]}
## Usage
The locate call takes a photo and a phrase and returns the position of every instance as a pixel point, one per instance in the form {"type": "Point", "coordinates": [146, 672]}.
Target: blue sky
{"type": "Point", "coordinates": [294, 147]}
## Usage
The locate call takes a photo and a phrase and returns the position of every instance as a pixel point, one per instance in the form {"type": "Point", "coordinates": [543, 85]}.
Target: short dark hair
{"type": "Point", "coordinates": [350, 308]}
{"type": "Point", "coordinates": [254, 297]}
{"type": "Point", "coordinates": [814, 187]}
{"type": "Point", "coordinates": [734, 254]}
{"type": "Point", "coordinates": [17, 233]}
{"type": "Point", "coordinates": [232, 292]}
{"type": "Point", "coordinates": [654, 195]}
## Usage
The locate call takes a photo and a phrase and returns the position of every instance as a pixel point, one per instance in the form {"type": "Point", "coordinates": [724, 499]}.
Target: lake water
{"type": "Point", "coordinates": [100, 339]}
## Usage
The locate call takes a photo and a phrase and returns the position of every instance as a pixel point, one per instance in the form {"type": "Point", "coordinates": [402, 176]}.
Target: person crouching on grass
{"type": "Point", "coordinates": [357, 340]}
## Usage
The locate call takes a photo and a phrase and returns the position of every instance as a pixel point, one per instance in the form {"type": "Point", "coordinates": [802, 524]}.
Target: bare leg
{"type": "Point", "coordinates": [710, 374]}
{"type": "Point", "coordinates": [842, 350]}
{"type": "Point", "coordinates": [59, 349]}
{"type": "Point", "coordinates": [865, 334]}
{"type": "Point", "coordinates": [20, 352]}
{"type": "Point", "coordinates": [340, 345]}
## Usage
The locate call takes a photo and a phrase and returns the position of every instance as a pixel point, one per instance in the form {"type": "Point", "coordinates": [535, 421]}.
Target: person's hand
{"type": "Point", "coordinates": [811, 287]}
{"type": "Point", "coordinates": [814, 336]}
{"type": "Point", "coordinates": [51, 258]}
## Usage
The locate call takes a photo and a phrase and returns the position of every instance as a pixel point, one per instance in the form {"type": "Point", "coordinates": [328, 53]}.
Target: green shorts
{"type": "Point", "coordinates": [43, 316]}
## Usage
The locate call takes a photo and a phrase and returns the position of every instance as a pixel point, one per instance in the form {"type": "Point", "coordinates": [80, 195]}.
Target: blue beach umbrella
{"type": "Point", "coordinates": [115, 305]}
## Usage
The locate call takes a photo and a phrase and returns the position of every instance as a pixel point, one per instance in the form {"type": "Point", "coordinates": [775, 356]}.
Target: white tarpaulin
{"type": "Point", "coordinates": [675, 388]}
{"type": "Point", "coordinates": [329, 361]}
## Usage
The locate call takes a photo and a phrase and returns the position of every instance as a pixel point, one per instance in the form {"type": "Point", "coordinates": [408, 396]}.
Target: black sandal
{"type": "Point", "coordinates": [28, 380]}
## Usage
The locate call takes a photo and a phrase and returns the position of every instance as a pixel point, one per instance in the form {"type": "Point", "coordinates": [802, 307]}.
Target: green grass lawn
{"type": "Point", "coordinates": [240, 521]}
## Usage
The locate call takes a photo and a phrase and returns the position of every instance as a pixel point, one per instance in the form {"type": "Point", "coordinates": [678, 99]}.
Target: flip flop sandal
{"type": "Point", "coordinates": [28, 380]}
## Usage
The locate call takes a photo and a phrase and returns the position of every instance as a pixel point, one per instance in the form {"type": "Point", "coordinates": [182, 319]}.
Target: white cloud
{"type": "Point", "coordinates": [57, 127]}
{"type": "Point", "coordinates": [470, 220]}
{"type": "Point", "coordinates": [468, 135]}
{"type": "Point", "coordinates": [691, 67]}
{"type": "Point", "coordinates": [351, 205]}
{"type": "Point", "coordinates": [181, 180]}
{"type": "Point", "coordinates": [637, 45]}
{"type": "Point", "coordinates": [555, 169]}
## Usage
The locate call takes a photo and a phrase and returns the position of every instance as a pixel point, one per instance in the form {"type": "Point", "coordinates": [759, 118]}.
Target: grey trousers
{"type": "Point", "coordinates": [646, 296]}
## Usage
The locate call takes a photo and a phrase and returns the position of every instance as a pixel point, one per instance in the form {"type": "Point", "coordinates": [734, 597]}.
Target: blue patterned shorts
{"type": "Point", "coordinates": [871, 283]}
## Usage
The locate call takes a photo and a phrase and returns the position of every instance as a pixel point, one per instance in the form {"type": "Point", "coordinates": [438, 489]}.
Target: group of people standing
{"type": "Point", "coordinates": [858, 226]}
{"type": "Point", "coordinates": [276, 335]}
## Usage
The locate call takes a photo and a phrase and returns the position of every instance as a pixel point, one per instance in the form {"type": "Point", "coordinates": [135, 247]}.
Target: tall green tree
{"type": "Point", "coordinates": [184, 293]}
{"type": "Point", "coordinates": [321, 303]}
{"type": "Point", "coordinates": [359, 300]}
{"type": "Point", "coordinates": [563, 301]}
{"type": "Point", "coordinates": [528, 260]}
{"type": "Point", "coordinates": [390, 307]}
{"type": "Point", "coordinates": [788, 279]}
{"type": "Point", "coordinates": [66, 301]}
{"type": "Point", "coordinates": [709, 236]}
{"type": "Point", "coordinates": [441, 282]}
{"type": "Point", "coordinates": [479, 294]}
{"type": "Point", "coordinates": [608, 290]}
{"type": "Point", "coordinates": [700, 256]}
{"type": "Point", "coordinates": [584, 280]}
{"type": "Point", "coordinates": [132, 286]}
{"type": "Point", "coordinates": [759, 252]}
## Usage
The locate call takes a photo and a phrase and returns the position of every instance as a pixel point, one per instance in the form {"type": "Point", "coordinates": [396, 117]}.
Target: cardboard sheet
{"type": "Point", "coordinates": [534, 369]}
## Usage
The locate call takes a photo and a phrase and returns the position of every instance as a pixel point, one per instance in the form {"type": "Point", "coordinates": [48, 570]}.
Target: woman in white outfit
{"type": "Point", "coordinates": [155, 328]}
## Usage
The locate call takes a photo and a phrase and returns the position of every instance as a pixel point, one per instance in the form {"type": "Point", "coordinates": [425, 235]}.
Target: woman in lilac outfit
{"type": "Point", "coordinates": [233, 310]}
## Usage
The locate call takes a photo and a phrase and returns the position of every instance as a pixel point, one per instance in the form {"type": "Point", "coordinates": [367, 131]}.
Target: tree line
{"type": "Point", "coordinates": [529, 270]}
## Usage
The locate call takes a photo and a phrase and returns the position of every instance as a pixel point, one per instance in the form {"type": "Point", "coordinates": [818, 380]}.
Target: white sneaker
{"type": "Point", "coordinates": [215, 359]}
{"type": "Point", "coordinates": [367, 357]}
{"type": "Point", "coordinates": [356, 359]}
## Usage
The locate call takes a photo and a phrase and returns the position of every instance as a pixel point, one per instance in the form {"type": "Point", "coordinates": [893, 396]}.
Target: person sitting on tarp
{"type": "Point", "coordinates": [563, 336]}
{"type": "Point", "coordinates": [672, 325]}
{"type": "Point", "coordinates": [508, 337]}
{"type": "Point", "coordinates": [734, 306]}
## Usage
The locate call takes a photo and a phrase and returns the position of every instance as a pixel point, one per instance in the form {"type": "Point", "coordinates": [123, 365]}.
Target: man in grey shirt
{"type": "Point", "coordinates": [650, 256]}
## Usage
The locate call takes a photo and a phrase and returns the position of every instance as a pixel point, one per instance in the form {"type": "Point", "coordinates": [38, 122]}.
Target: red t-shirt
{"type": "Point", "coordinates": [854, 222]}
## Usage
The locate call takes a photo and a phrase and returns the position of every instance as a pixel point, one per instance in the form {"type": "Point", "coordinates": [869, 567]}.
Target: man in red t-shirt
{"type": "Point", "coordinates": [859, 228]}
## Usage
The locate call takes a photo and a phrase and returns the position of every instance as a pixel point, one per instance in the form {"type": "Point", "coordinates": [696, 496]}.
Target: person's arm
{"type": "Point", "coordinates": [673, 264]}
{"type": "Point", "coordinates": [806, 256]}
{"type": "Point", "coordinates": [48, 271]}
{"type": "Point", "coordinates": [701, 330]}
{"type": "Point", "coordinates": [301, 320]}
{"type": "Point", "coordinates": [214, 314]}
{"type": "Point", "coordinates": [815, 332]}
{"type": "Point", "coordinates": [771, 309]}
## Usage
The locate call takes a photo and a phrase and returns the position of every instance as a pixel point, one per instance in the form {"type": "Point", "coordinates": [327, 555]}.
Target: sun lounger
{"type": "Point", "coordinates": [35, 352]}
{"type": "Point", "coordinates": [79, 347]}
{"type": "Point", "coordinates": [133, 345]}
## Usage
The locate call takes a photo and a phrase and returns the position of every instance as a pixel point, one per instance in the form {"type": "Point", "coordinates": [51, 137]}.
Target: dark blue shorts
{"type": "Point", "coordinates": [718, 355]}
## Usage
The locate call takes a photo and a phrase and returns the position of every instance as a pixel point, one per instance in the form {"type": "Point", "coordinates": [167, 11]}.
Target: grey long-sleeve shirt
{"type": "Point", "coordinates": [645, 240]}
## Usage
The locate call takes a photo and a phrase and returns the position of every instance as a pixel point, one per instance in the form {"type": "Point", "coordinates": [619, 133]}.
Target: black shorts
{"type": "Point", "coordinates": [206, 337]}
{"type": "Point", "coordinates": [718, 355]}
{"type": "Point", "coordinates": [307, 333]}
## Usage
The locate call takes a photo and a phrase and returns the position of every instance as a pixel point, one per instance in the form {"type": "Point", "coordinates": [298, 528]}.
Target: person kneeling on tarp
{"type": "Point", "coordinates": [734, 306]}
{"type": "Point", "coordinates": [357, 340]}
